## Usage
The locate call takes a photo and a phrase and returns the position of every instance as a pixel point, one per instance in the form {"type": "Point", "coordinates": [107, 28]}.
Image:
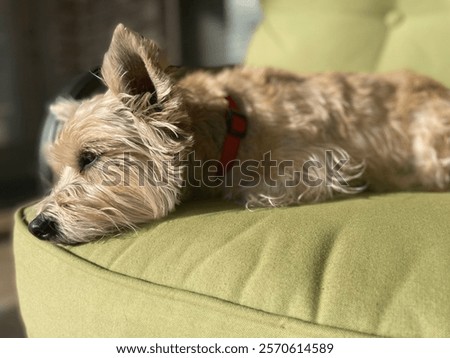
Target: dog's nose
{"type": "Point", "coordinates": [43, 228]}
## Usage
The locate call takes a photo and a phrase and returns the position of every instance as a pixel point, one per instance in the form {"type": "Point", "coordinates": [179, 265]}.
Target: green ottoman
{"type": "Point", "coordinates": [369, 266]}
{"type": "Point", "coordinates": [366, 266]}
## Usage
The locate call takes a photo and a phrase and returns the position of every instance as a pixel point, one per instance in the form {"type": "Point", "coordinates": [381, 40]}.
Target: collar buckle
{"type": "Point", "coordinates": [236, 124]}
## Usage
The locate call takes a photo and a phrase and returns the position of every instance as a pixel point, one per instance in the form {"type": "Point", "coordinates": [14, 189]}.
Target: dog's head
{"type": "Point", "coordinates": [119, 157]}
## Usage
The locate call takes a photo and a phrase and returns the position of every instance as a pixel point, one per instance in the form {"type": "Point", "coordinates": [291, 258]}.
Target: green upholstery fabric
{"type": "Point", "coordinates": [368, 266]}
{"type": "Point", "coordinates": [375, 265]}
{"type": "Point", "coordinates": [354, 35]}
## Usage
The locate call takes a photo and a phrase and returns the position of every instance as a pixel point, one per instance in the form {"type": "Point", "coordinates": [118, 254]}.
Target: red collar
{"type": "Point", "coordinates": [236, 130]}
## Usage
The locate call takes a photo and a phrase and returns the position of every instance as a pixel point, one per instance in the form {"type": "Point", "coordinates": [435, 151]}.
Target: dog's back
{"type": "Point", "coordinates": [391, 129]}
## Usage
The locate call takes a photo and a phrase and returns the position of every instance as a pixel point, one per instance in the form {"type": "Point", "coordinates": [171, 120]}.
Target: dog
{"type": "Point", "coordinates": [259, 136]}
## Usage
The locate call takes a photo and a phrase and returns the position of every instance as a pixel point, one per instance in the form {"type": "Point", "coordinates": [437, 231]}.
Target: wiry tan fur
{"type": "Point", "coordinates": [394, 130]}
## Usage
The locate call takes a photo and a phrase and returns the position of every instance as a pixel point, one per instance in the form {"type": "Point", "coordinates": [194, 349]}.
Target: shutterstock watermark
{"type": "Point", "coordinates": [193, 172]}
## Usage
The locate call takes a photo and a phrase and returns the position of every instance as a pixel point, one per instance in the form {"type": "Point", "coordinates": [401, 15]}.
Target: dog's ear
{"type": "Point", "coordinates": [133, 65]}
{"type": "Point", "coordinates": [64, 108]}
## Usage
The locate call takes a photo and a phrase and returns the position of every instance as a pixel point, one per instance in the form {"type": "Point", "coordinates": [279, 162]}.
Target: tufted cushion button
{"type": "Point", "coordinates": [393, 18]}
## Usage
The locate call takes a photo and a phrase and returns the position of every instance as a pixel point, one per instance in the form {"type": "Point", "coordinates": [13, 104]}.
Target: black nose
{"type": "Point", "coordinates": [43, 228]}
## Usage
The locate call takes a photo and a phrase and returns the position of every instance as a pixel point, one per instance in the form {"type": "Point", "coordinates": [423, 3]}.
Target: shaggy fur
{"type": "Point", "coordinates": [383, 132]}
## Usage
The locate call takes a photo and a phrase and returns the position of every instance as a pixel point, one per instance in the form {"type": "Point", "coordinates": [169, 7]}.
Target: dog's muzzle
{"type": "Point", "coordinates": [43, 228]}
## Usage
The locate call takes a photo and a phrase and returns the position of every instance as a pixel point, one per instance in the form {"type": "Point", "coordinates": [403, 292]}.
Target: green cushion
{"type": "Point", "coordinates": [367, 266]}
{"type": "Point", "coordinates": [354, 35]}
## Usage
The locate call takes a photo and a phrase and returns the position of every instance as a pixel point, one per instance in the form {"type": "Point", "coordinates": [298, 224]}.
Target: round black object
{"type": "Point", "coordinates": [83, 86]}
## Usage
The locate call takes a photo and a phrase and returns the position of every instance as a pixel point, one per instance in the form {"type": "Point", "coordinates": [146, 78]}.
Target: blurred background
{"type": "Point", "coordinates": [45, 44]}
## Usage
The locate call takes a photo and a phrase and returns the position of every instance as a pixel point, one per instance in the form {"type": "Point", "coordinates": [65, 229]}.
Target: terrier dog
{"type": "Point", "coordinates": [262, 137]}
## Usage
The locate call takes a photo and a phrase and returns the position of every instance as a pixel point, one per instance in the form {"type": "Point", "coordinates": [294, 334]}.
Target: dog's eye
{"type": "Point", "coordinates": [86, 159]}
